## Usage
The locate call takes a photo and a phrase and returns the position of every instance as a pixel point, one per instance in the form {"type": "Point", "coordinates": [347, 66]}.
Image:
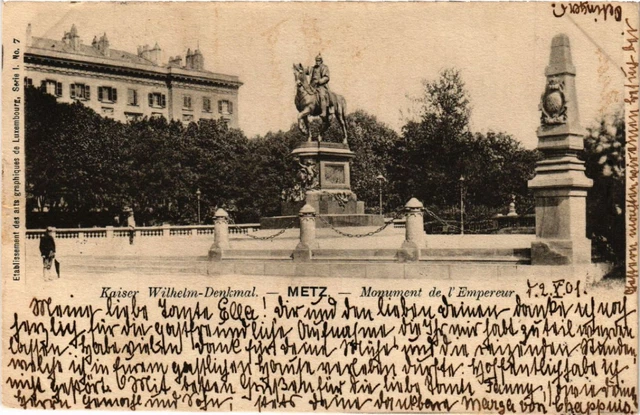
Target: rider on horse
{"type": "Point", "coordinates": [313, 99]}
{"type": "Point", "coordinates": [319, 81]}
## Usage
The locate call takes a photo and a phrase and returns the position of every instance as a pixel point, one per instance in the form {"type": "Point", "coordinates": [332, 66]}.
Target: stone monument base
{"type": "Point", "coordinates": [326, 202]}
{"type": "Point", "coordinates": [331, 197]}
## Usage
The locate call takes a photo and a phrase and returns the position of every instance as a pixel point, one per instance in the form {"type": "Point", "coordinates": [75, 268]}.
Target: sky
{"type": "Point", "coordinates": [378, 53]}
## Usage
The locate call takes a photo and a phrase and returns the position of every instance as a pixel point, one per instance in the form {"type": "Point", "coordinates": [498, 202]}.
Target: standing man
{"type": "Point", "coordinates": [48, 253]}
{"type": "Point", "coordinates": [319, 80]}
{"type": "Point", "coordinates": [131, 223]}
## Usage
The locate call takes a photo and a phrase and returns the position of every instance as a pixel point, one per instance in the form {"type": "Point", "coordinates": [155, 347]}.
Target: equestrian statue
{"type": "Point", "coordinates": [313, 98]}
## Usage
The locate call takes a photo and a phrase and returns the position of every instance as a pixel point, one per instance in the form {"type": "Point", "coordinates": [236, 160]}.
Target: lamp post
{"type": "Point", "coordinates": [380, 179]}
{"type": "Point", "coordinates": [198, 193]}
{"type": "Point", "coordinates": [461, 205]}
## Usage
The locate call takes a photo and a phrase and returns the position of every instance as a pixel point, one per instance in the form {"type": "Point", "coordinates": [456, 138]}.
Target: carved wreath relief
{"type": "Point", "coordinates": [342, 199]}
{"type": "Point", "coordinates": [554, 103]}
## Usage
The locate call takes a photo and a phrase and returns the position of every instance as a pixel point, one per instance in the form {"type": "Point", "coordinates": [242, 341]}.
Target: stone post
{"type": "Point", "coordinates": [414, 231]}
{"type": "Point", "coordinates": [109, 234]}
{"type": "Point", "coordinates": [166, 230]}
{"type": "Point", "coordinates": [221, 235]}
{"type": "Point", "coordinates": [308, 241]}
{"type": "Point", "coordinates": [560, 185]}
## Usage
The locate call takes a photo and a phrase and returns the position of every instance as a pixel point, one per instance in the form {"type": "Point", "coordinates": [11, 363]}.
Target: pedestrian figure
{"type": "Point", "coordinates": [48, 253]}
{"type": "Point", "coordinates": [131, 223]}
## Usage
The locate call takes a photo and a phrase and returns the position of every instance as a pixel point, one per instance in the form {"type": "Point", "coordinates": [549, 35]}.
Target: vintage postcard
{"type": "Point", "coordinates": [334, 206]}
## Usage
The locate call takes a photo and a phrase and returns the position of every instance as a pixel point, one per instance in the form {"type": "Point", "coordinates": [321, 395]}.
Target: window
{"type": "Point", "coordinates": [52, 87]}
{"type": "Point", "coordinates": [186, 102]}
{"type": "Point", "coordinates": [225, 107]}
{"type": "Point", "coordinates": [28, 82]}
{"type": "Point", "coordinates": [107, 112]}
{"type": "Point", "coordinates": [157, 100]}
{"type": "Point", "coordinates": [206, 104]}
{"type": "Point", "coordinates": [107, 94]}
{"type": "Point", "coordinates": [187, 117]}
{"type": "Point", "coordinates": [132, 97]}
{"type": "Point", "coordinates": [133, 116]}
{"type": "Point", "coordinates": [80, 92]}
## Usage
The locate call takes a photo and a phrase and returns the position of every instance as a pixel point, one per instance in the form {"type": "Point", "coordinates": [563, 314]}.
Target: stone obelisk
{"type": "Point", "coordinates": [560, 185]}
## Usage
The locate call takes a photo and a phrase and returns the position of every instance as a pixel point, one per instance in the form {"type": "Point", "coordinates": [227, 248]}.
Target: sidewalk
{"type": "Point", "coordinates": [187, 255]}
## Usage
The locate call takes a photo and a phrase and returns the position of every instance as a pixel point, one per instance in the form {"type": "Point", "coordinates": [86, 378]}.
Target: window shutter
{"type": "Point", "coordinates": [230, 107]}
{"type": "Point", "coordinates": [135, 97]}
{"type": "Point", "coordinates": [220, 107]}
{"type": "Point", "coordinates": [100, 93]}
{"type": "Point", "coordinates": [115, 94]}
{"type": "Point", "coordinates": [59, 89]}
{"type": "Point", "coordinates": [151, 100]}
{"type": "Point", "coordinates": [164, 100]}
{"type": "Point", "coordinates": [87, 92]}
{"type": "Point", "coordinates": [73, 90]}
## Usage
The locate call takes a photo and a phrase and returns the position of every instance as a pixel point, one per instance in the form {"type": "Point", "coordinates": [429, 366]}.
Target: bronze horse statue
{"type": "Point", "coordinates": [308, 104]}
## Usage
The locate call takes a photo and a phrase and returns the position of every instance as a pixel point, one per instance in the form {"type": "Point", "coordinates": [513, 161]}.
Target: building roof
{"type": "Point", "coordinates": [90, 55]}
{"type": "Point", "coordinates": [87, 50]}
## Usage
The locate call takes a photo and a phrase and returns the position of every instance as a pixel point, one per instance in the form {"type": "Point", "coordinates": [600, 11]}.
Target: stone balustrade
{"type": "Point", "coordinates": [164, 231]}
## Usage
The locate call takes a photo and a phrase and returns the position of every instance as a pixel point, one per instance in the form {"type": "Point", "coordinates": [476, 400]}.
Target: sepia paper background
{"type": "Point", "coordinates": [378, 54]}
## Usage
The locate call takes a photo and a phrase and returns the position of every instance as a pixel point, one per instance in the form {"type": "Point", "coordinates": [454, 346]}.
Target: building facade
{"type": "Point", "coordinates": [127, 86]}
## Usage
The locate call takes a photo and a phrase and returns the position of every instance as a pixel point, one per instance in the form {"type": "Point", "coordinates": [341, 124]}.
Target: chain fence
{"type": "Point", "coordinates": [480, 226]}
{"type": "Point", "coordinates": [292, 224]}
{"type": "Point", "coordinates": [473, 227]}
{"type": "Point", "coordinates": [443, 222]}
{"type": "Point", "coordinates": [396, 215]}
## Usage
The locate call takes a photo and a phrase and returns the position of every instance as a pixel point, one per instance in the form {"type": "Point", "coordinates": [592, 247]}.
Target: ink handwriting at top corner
{"type": "Point", "coordinates": [562, 6]}
{"type": "Point", "coordinates": [584, 7]}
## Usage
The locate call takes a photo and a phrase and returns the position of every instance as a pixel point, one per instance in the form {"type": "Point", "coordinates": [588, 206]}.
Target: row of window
{"type": "Point", "coordinates": [109, 94]}
{"type": "Point", "coordinates": [224, 107]}
{"type": "Point", "coordinates": [135, 116]}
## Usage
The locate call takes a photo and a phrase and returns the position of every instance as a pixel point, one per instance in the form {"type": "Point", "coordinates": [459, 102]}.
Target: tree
{"type": "Point", "coordinates": [498, 167]}
{"type": "Point", "coordinates": [272, 171]}
{"type": "Point", "coordinates": [438, 148]}
{"type": "Point", "coordinates": [604, 156]}
{"type": "Point", "coordinates": [445, 106]}
{"type": "Point", "coordinates": [74, 160]}
{"type": "Point", "coordinates": [160, 180]}
{"type": "Point", "coordinates": [86, 169]}
{"type": "Point", "coordinates": [430, 156]}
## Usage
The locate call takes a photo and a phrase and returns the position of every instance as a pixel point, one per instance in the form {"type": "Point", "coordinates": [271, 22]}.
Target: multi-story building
{"type": "Point", "coordinates": [127, 86]}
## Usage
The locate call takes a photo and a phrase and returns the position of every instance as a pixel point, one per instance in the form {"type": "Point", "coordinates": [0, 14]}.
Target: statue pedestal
{"type": "Point", "coordinates": [330, 193]}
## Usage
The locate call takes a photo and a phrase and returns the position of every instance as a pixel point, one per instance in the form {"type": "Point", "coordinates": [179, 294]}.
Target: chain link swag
{"type": "Point", "coordinates": [270, 237]}
{"type": "Point", "coordinates": [397, 215]}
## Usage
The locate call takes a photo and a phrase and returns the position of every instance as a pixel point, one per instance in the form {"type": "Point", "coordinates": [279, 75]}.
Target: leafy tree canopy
{"type": "Point", "coordinates": [438, 149]}
{"type": "Point", "coordinates": [604, 156]}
